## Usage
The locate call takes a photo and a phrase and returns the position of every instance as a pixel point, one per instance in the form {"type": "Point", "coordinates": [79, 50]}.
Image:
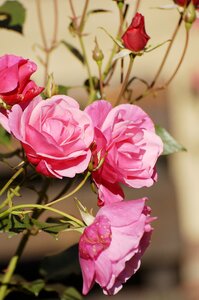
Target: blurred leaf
{"type": "Point", "coordinates": [61, 265]}
{"type": "Point", "coordinates": [71, 294]}
{"type": "Point", "coordinates": [4, 136]}
{"type": "Point", "coordinates": [34, 287]}
{"type": "Point", "coordinates": [74, 51]}
{"type": "Point", "coordinates": [12, 15]}
{"type": "Point", "coordinates": [96, 11]}
{"type": "Point", "coordinates": [170, 144]}
{"type": "Point", "coordinates": [63, 90]}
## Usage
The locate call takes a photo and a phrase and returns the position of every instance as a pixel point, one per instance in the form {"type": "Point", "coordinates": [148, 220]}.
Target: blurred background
{"type": "Point", "coordinates": [170, 268]}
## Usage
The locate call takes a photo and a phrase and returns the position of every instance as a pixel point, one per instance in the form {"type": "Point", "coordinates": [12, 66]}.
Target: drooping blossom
{"type": "Point", "coordinates": [15, 84]}
{"type": "Point", "coordinates": [55, 134]}
{"type": "Point", "coordinates": [111, 247]}
{"type": "Point", "coordinates": [126, 142]}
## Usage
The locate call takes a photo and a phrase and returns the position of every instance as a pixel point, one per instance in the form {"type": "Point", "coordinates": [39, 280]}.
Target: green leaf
{"type": "Point", "coordinates": [12, 15]}
{"type": "Point", "coordinates": [170, 144]}
{"type": "Point", "coordinates": [51, 227]}
{"type": "Point", "coordinates": [61, 265]}
{"type": "Point", "coordinates": [14, 224]}
{"type": "Point", "coordinates": [4, 136]}
{"type": "Point", "coordinates": [74, 51]}
{"type": "Point", "coordinates": [63, 90]}
{"type": "Point", "coordinates": [71, 294]}
{"type": "Point", "coordinates": [97, 11]}
{"type": "Point", "coordinates": [34, 287]}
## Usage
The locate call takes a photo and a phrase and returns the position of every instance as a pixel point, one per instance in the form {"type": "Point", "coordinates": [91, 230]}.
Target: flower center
{"type": "Point", "coordinates": [95, 238]}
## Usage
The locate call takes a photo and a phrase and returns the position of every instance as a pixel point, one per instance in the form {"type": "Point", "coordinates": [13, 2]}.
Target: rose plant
{"type": "Point", "coordinates": [111, 145]}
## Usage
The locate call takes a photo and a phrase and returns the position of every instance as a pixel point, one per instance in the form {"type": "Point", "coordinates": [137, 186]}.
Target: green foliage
{"type": "Point", "coordinates": [71, 294]}
{"type": "Point", "coordinates": [170, 144]}
{"type": "Point", "coordinates": [63, 90]}
{"type": "Point", "coordinates": [74, 51]}
{"type": "Point", "coordinates": [12, 16]}
{"type": "Point", "coordinates": [18, 222]}
{"type": "Point", "coordinates": [34, 287]}
{"type": "Point", "coordinates": [4, 137]}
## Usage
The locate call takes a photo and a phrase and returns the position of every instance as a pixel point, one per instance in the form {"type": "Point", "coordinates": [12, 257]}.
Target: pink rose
{"type": "Point", "coordinates": [15, 83]}
{"type": "Point", "coordinates": [135, 37]}
{"type": "Point", "coordinates": [111, 247]}
{"type": "Point", "coordinates": [55, 134]}
{"type": "Point", "coordinates": [125, 139]}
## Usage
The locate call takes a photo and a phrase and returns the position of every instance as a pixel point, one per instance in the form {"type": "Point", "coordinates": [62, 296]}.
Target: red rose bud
{"type": "Point", "coordinates": [135, 38]}
{"type": "Point", "coordinates": [182, 2]}
{"type": "Point", "coordinates": [186, 2]}
{"type": "Point", "coordinates": [195, 3]}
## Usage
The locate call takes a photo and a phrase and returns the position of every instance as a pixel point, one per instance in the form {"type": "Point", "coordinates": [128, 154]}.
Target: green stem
{"type": "Point", "coordinates": [8, 275]}
{"type": "Point", "coordinates": [14, 260]}
{"type": "Point", "coordinates": [11, 180]}
{"type": "Point", "coordinates": [125, 82]}
{"type": "Point", "coordinates": [115, 46]}
{"type": "Point", "coordinates": [82, 22]}
{"type": "Point", "coordinates": [43, 207]}
{"type": "Point", "coordinates": [101, 81]}
{"type": "Point", "coordinates": [91, 85]}
{"type": "Point", "coordinates": [71, 193]}
{"type": "Point", "coordinates": [12, 266]}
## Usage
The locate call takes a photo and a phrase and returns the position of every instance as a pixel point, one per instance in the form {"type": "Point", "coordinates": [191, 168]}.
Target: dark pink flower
{"type": "Point", "coordinates": [135, 37]}
{"type": "Point", "coordinates": [15, 84]}
{"type": "Point", "coordinates": [110, 248]}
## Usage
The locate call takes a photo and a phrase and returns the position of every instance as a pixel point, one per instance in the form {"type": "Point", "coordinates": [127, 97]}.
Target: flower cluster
{"type": "Point", "coordinates": [116, 145]}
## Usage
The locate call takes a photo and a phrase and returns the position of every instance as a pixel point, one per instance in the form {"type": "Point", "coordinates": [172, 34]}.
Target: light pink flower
{"type": "Point", "coordinates": [55, 134]}
{"type": "Point", "coordinates": [111, 247]}
{"type": "Point", "coordinates": [15, 84]}
{"type": "Point", "coordinates": [125, 138]}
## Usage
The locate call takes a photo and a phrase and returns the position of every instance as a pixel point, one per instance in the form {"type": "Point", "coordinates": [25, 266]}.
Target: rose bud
{"type": "Point", "coordinates": [135, 38]}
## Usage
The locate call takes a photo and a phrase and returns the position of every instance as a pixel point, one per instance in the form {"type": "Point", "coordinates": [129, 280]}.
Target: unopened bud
{"type": "Point", "coordinates": [189, 16]}
{"type": "Point", "coordinates": [97, 53]}
{"type": "Point", "coordinates": [51, 88]}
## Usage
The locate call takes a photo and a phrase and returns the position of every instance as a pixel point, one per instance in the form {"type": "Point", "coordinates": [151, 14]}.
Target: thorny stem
{"type": "Point", "coordinates": [125, 82]}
